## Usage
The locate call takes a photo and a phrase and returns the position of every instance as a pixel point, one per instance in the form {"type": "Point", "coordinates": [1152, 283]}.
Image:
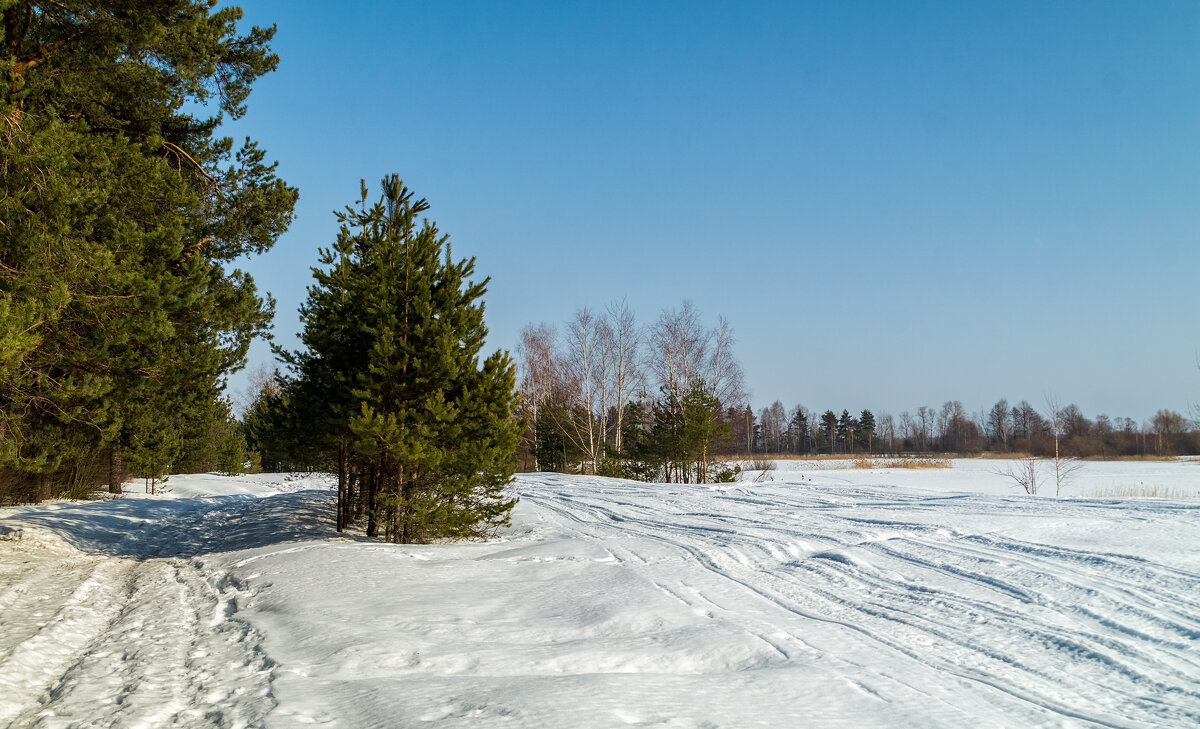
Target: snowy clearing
{"type": "Point", "coordinates": [827, 597]}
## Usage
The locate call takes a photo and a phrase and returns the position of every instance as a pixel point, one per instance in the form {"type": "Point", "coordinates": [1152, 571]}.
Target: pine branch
{"type": "Point", "coordinates": [29, 60]}
{"type": "Point", "coordinates": [179, 152]}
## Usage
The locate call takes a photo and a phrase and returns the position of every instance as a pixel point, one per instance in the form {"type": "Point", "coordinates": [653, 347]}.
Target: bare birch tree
{"type": "Point", "coordinates": [678, 348]}
{"type": "Point", "coordinates": [1064, 468]}
{"type": "Point", "coordinates": [1025, 473]}
{"type": "Point", "coordinates": [682, 351]}
{"type": "Point", "coordinates": [999, 423]}
{"type": "Point", "coordinates": [583, 365]}
{"type": "Point", "coordinates": [907, 426]}
{"type": "Point", "coordinates": [766, 430]}
{"type": "Point", "coordinates": [603, 334]}
{"type": "Point", "coordinates": [887, 430]}
{"type": "Point", "coordinates": [262, 380]}
{"type": "Point", "coordinates": [1166, 425]}
{"type": "Point", "coordinates": [604, 363]}
{"type": "Point", "coordinates": [626, 372]}
{"type": "Point", "coordinates": [774, 421]}
{"type": "Point", "coordinates": [540, 372]}
{"type": "Point", "coordinates": [725, 376]}
{"type": "Point", "coordinates": [924, 423]}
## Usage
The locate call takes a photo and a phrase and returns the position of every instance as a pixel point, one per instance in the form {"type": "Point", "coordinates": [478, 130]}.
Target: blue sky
{"type": "Point", "coordinates": [894, 204]}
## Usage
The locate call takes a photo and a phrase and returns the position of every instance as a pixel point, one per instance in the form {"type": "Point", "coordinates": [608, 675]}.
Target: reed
{"type": "Point", "coordinates": [902, 463]}
{"type": "Point", "coordinates": [1142, 491]}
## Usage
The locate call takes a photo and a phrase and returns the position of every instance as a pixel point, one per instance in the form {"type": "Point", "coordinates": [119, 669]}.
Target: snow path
{"type": "Point", "coordinates": [123, 625]}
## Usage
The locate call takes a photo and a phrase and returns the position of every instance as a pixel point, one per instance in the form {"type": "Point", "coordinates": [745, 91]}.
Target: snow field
{"type": "Point", "coordinates": [827, 598]}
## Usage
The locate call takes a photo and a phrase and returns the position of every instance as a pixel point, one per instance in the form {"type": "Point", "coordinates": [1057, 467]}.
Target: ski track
{"type": "Point", "coordinates": [1053, 633]}
{"type": "Point", "coordinates": [143, 614]}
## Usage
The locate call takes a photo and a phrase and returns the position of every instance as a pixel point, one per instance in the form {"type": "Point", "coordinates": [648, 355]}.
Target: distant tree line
{"type": "Point", "coordinates": [1002, 428]}
{"type": "Point", "coordinates": [667, 402]}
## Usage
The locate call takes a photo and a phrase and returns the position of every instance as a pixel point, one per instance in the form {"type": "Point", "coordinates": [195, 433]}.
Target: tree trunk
{"type": "Point", "coordinates": [407, 526]}
{"type": "Point", "coordinates": [42, 487]}
{"type": "Point", "coordinates": [393, 516]}
{"type": "Point", "coordinates": [116, 469]}
{"type": "Point", "coordinates": [343, 482]}
{"type": "Point", "coordinates": [372, 493]}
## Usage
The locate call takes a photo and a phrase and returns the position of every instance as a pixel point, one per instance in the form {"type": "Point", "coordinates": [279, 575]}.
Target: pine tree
{"type": "Point", "coordinates": [866, 429]}
{"type": "Point", "coordinates": [845, 431]}
{"type": "Point", "coordinates": [644, 463]}
{"type": "Point", "coordinates": [800, 423]}
{"type": "Point", "coordinates": [211, 439]}
{"type": "Point", "coordinates": [664, 440]}
{"type": "Point", "coordinates": [328, 371]}
{"type": "Point", "coordinates": [269, 435]}
{"type": "Point", "coordinates": [829, 423]}
{"type": "Point", "coordinates": [394, 328]}
{"type": "Point", "coordinates": [120, 212]}
{"type": "Point", "coordinates": [679, 436]}
{"type": "Point", "coordinates": [154, 442]}
{"type": "Point", "coordinates": [702, 426]}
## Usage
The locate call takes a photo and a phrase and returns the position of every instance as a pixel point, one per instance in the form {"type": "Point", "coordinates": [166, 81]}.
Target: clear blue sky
{"type": "Point", "coordinates": [895, 204]}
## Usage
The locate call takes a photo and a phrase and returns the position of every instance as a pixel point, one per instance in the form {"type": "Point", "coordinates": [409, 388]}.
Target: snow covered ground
{"type": "Point", "coordinates": [827, 597]}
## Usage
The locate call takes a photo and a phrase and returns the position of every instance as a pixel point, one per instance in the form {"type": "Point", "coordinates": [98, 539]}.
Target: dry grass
{"type": "Point", "coordinates": [1018, 455]}
{"type": "Point", "coordinates": [902, 463]}
{"type": "Point", "coordinates": [763, 466]}
{"type": "Point", "coordinates": [1140, 457]}
{"type": "Point", "coordinates": [817, 456]}
{"type": "Point", "coordinates": [807, 456]}
{"type": "Point", "coordinates": [1143, 492]}
{"type": "Point", "coordinates": [758, 464]}
{"type": "Point", "coordinates": [986, 455]}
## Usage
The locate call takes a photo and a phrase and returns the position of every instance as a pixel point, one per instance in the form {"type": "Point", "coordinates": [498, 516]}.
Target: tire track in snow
{"type": "Point", "coordinates": [148, 641]}
{"type": "Point", "coordinates": [1045, 655]}
{"type": "Point", "coordinates": [1104, 598]}
{"type": "Point", "coordinates": [38, 660]}
{"type": "Point", "coordinates": [1039, 650]}
{"type": "Point", "coordinates": [34, 592]}
{"type": "Point", "coordinates": [987, 610]}
{"type": "Point", "coordinates": [171, 658]}
{"type": "Point", "coordinates": [791, 645]}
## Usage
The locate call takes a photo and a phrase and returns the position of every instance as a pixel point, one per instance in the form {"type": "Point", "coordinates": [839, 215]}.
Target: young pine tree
{"type": "Point", "coordinates": [430, 426]}
{"type": "Point", "coordinates": [702, 426]}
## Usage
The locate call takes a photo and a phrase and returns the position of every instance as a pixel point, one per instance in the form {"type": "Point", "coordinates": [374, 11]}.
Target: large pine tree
{"type": "Point", "coordinates": [120, 210]}
{"type": "Point", "coordinates": [393, 332]}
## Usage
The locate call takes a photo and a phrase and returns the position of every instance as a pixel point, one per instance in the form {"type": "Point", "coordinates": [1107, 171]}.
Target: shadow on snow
{"type": "Point", "coordinates": [149, 529]}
